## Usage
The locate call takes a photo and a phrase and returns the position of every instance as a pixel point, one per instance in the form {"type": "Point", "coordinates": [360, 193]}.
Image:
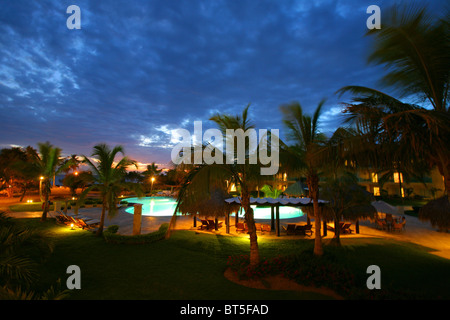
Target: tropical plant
{"type": "Point", "coordinates": [19, 246]}
{"type": "Point", "coordinates": [48, 164]}
{"type": "Point", "coordinates": [109, 179]}
{"type": "Point", "coordinates": [345, 200]}
{"type": "Point", "coordinates": [152, 170]}
{"type": "Point", "coordinates": [270, 192]}
{"type": "Point", "coordinates": [17, 170]}
{"type": "Point", "coordinates": [205, 178]}
{"type": "Point", "coordinates": [307, 140]}
{"type": "Point", "coordinates": [77, 180]}
{"type": "Point", "coordinates": [414, 48]}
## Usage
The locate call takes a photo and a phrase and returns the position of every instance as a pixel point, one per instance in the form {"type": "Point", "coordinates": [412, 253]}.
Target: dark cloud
{"type": "Point", "coordinates": [138, 69]}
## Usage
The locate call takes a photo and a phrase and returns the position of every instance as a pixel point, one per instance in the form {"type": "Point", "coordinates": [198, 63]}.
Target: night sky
{"type": "Point", "coordinates": [138, 69]}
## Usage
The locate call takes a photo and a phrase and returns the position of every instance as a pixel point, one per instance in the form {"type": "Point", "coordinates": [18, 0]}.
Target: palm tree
{"type": "Point", "coordinates": [152, 170]}
{"type": "Point", "coordinates": [19, 269]}
{"type": "Point", "coordinates": [108, 178]}
{"type": "Point", "coordinates": [303, 131]}
{"type": "Point", "coordinates": [47, 163]}
{"type": "Point", "coordinates": [205, 178]}
{"type": "Point", "coordinates": [414, 47]}
{"type": "Point", "coordinates": [346, 200]}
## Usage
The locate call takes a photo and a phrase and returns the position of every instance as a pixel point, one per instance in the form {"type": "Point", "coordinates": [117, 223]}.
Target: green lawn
{"type": "Point", "coordinates": [191, 266]}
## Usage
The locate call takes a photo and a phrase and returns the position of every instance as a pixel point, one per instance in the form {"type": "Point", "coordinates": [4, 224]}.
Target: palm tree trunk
{"type": "Point", "coordinates": [313, 185]}
{"type": "Point", "coordinates": [337, 233]}
{"type": "Point", "coordinates": [45, 207]}
{"type": "Point", "coordinates": [249, 218]}
{"type": "Point", "coordinates": [102, 219]}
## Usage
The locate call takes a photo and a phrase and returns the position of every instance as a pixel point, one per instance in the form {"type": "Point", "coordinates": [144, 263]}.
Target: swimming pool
{"type": "Point", "coordinates": [164, 207]}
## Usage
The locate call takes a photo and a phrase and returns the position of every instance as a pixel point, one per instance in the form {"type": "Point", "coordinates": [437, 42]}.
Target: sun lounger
{"type": "Point", "coordinates": [212, 225]}
{"type": "Point", "coordinates": [290, 229]}
{"type": "Point", "coordinates": [381, 224]}
{"type": "Point", "coordinates": [88, 224]}
{"type": "Point", "coordinates": [241, 227]}
{"type": "Point", "coordinates": [398, 226]}
{"type": "Point", "coordinates": [345, 229]}
{"type": "Point", "coordinates": [265, 228]}
{"type": "Point", "coordinates": [205, 225]}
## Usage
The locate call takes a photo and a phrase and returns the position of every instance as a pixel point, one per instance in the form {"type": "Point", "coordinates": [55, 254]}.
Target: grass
{"type": "Point", "coordinates": [23, 207]}
{"type": "Point", "coordinates": [191, 266]}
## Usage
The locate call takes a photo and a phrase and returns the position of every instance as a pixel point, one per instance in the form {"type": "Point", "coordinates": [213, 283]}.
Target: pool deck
{"type": "Point", "coordinates": [416, 231]}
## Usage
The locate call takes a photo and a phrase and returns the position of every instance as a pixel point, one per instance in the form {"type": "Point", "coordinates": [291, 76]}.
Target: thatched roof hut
{"type": "Point", "coordinates": [297, 189]}
{"type": "Point", "coordinates": [214, 206]}
{"type": "Point", "coordinates": [437, 212]}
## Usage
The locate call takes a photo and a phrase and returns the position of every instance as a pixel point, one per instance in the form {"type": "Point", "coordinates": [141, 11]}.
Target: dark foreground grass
{"type": "Point", "coordinates": [191, 266]}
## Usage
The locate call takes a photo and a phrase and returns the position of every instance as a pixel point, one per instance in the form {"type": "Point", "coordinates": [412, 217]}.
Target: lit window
{"type": "Point", "coordinates": [398, 177]}
{"type": "Point", "coordinates": [376, 191]}
{"type": "Point", "coordinates": [374, 177]}
{"type": "Point", "coordinates": [285, 176]}
{"type": "Point", "coordinates": [403, 193]}
{"type": "Point", "coordinates": [233, 187]}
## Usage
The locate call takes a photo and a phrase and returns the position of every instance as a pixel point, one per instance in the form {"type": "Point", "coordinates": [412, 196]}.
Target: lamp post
{"type": "Point", "coordinates": [151, 188]}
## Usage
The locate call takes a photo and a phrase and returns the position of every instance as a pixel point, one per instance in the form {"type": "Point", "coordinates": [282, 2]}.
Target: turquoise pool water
{"type": "Point", "coordinates": [164, 206]}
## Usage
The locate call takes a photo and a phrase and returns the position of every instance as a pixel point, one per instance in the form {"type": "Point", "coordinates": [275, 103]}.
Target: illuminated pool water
{"type": "Point", "coordinates": [164, 207]}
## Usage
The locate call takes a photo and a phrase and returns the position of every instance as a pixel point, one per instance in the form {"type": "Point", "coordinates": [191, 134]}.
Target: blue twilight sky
{"type": "Point", "coordinates": [138, 69]}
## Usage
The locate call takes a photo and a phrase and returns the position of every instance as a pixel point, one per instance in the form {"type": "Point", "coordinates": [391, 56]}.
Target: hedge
{"type": "Point", "coordinates": [111, 236]}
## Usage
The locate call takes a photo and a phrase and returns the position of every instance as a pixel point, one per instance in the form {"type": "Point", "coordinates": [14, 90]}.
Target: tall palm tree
{"type": "Point", "coordinates": [152, 170]}
{"type": "Point", "coordinates": [206, 177]}
{"type": "Point", "coordinates": [346, 200]}
{"type": "Point", "coordinates": [108, 178]}
{"type": "Point", "coordinates": [415, 49]}
{"type": "Point", "coordinates": [48, 164]}
{"type": "Point", "coordinates": [307, 140]}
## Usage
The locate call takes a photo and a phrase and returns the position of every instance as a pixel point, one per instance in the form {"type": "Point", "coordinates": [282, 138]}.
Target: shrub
{"type": "Point", "coordinates": [113, 228]}
{"type": "Point", "coordinates": [304, 268]}
{"type": "Point", "coordinates": [309, 270]}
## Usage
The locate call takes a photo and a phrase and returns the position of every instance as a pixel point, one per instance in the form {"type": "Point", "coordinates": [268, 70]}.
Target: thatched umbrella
{"type": "Point", "coordinates": [297, 189]}
{"type": "Point", "coordinates": [215, 206]}
{"type": "Point", "coordinates": [437, 212]}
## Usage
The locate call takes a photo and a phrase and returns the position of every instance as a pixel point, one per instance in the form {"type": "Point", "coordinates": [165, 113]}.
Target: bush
{"type": "Point", "coordinates": [113, 228]}
{"type": "Point", "coordinates": [309, 270]}
{"type": "Point", "coordinates": [304, 268]}
{"type": "Point", "coordinates": [112, 237]}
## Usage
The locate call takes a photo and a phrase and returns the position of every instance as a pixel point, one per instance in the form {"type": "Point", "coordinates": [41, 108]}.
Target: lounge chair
{"type": "Point", "coordinates": [290, 229]}
{"type": "Point", "coordinates": [398, 226]}
{"type": "Point", "coordinates": [212, 225]}
{"type": "Point", "coordinates": [88, 224]}
{"type": "Point", "coordinates": [62, 218]}
{"type": "Point", "coordinates": [265, 228]}
{"type": "Point", "coordinates": [205, 225]}
{"type": "Point", "coordinates": [330, 228]}
{"type": "Point", "coordinates": [308, 229]}
{"type": "Point", "coordinates": [241, 227]}
{"type": "Point", "coordinates": [381, 224]}
{"type": "Point", "coordinates": [345, 229]}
